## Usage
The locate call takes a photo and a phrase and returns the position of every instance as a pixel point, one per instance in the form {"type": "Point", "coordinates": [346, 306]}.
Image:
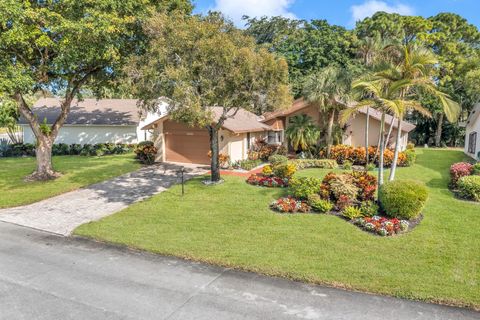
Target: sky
{"type": "Point", "coordinates": [339, 12]}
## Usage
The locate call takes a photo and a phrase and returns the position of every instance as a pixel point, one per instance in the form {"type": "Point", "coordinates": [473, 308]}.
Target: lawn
{"type": "Point", "coordinates": [77, 172]}
{"type": "Point", "coordinates": [231, 225]}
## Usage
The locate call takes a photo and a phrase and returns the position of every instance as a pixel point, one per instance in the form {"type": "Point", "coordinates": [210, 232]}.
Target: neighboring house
{"type": "Point", "coordinates": [354, 130]}
{"type": "Point", "coordinates": [176, 142]}
{"type": "Point", "coordinates": [472, 132]}
{"type": "Point", "coordinates": [93, 121]}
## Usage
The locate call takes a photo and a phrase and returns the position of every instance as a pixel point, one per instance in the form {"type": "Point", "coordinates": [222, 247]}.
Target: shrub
{"type": "Point", "coordinates": [223, 159]}
{"type": "Point", "coordinates": [342, 185]}
{"type": "Point", "coordinates": [410, 146]}
{"type": "Point", "coordinates": [146, 153]}
{"type": "Point", "coordinates": [369, 208]}
{"type": "Point", "coordinates": [289, 204]}
{"type": "Point", "coordinates": [277, 159]}
{"type": "Point", "coordinates": [318, 204]}
{"type": "Point", "coordinates": [351, 212]}
{"type": "Point", "coordinates": [403, 199]}
{"type": "Point", "coordinates": [286, 170]}
{"type": "Point", "coordinates": [347, 165]}
{"type": "Point", "coordinates": [476, 169]}
{"type": "Point", "coordinates": [357, 155]}
{"type": "Point", "coordinates": [458, 170]}
{"type": "Point", "coordinates": [343, 202]}
{"type": "Point", "coordinates": [315, 163]}
{"type": "Point", "coordinates": [305, 186]}
{"type": "Point", "coordinates": [261, 150]}
{"type": "Point", "coordinates": [371, 167]}
{"type": "Point", "coordinates": [367, 184]}
{"type": "Point", "coordinates": [411, 157]}
{"type": "Point", "coordinates": [469, 187]}
{"type": "Point", "coordinates": [267, 170]}
{"type": "Point", "coordinates": [247, 164]}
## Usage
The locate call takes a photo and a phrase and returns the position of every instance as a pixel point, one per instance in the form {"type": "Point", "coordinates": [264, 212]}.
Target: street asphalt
{"type": "Point", "coordinates": [46, 276]}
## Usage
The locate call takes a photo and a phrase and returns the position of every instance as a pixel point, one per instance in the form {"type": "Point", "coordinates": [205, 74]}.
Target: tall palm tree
{"type": "Point", "coordinates": [410, 71]}
{"type": "Point", "coordinates": [329, 89]}
{"type": "Point", "coordinates": [302, 132]}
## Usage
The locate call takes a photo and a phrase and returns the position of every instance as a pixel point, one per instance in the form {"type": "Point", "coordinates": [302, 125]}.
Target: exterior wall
{"type": "Point", "coordinates": [473, 127]}
{"type": "Point", "coordinates": [144, 135]}
{"type": "Point", "coordinates": [159, 142]}
{"type": "Point", "coordinates": [89, 134]}
{"type": "Point", "coordinates": [311, 111]}
{"type": "Point", "coordinates": [355, 133]}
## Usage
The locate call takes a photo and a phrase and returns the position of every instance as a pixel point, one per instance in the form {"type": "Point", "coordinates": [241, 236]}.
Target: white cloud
{"type": "Point", "coordinates": [368, 8]}
{"type": "Point", "coordinates": [235, 9]}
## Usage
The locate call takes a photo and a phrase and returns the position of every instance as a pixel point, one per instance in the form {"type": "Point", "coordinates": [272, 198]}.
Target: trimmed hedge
{"type": "Point", "coordinates": [469, 187]}
{"type": "Point", "coordinates": [403, 199]}
{"type": "Point", "coordinates": [315, 163]}
{"type": "Point", "coordinates": [62, 149]}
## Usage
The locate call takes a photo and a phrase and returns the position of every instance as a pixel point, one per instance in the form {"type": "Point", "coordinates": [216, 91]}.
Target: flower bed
{"type": "Point", "coordinates": [465, 180]}
{"type": "Point", "coordinates": [357, 155]}
{"type": "Point", "coordinates": [267, 181]}
{"type": "Point", "coordinates": [290, 205]}
{"type": "Point", "coordinates": [382, 226]}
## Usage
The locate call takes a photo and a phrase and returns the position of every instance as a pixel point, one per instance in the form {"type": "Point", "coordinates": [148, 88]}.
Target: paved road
{"type": "Point", "coordinates": [44, 276]}
{"type": "Point", "coordinates": [63, 213]}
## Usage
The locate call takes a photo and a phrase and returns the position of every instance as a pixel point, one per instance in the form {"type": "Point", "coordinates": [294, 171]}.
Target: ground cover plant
{"type": "Point", "coordinates": [76, 172]}
{"type": "Point", "coordinates": [232, 225]}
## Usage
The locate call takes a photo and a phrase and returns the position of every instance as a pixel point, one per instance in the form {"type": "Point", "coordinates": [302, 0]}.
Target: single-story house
{"type": "Point", "coordinates": [177, 142]}
{"type": "Point", "coordinates": [472, 129]}
{"type": "Point", "coordinates": [93, 121]}
{"type": "Point", "coordinates": [353, 131]}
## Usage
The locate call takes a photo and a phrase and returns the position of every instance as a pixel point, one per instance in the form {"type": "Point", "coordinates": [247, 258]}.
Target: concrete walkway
{"type": "Point", "coordinates": [44, 276]}
{"type": "Point", "coordinates": [63, 213]}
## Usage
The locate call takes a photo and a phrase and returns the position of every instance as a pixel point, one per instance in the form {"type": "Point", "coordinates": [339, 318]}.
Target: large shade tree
{"type": "Point", "coordinates": [199, 62]}
{"type": "Point", "coordinates": [64, 47]}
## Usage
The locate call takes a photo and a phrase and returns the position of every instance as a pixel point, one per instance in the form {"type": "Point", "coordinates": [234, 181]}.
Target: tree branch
{"type": "Point", "coordinates": [27, 113]}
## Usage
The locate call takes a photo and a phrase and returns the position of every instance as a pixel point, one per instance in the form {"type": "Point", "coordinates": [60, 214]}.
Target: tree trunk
{"type": "Point", "coordinates": [389, 131]}
{"type": "Point", "coordinates": [215, 163]}
{"type": "Point", "coordinates": [438, 132]}
{"type": "Point", "coordinates": [367, 128]}
{"type": "Point", "coordinates": [43, 153]}
{"type": "Point", "coordinates": [330, 132]}
{"type": "Point", "coordinates": [397, 151]}
{"type": "Point", "coordinates": [382, 149]}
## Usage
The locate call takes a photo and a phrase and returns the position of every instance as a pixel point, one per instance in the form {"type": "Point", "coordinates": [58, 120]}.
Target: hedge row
{"type": "Point", "coordinates": [61, 149]}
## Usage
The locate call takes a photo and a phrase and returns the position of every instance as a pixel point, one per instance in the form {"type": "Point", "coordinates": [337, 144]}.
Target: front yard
{"type": "Point", "coordinates": [79, 171]}
{"type": "Point", "coordinates": [232, 225]}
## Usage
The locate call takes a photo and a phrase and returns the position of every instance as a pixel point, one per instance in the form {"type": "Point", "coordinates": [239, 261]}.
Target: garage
{"type": "Point", "coordinates": [185, 144]}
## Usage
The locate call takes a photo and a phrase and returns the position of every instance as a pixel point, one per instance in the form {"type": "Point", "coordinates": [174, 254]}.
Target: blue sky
{"type": "Point", "coordinates": [340, 12]}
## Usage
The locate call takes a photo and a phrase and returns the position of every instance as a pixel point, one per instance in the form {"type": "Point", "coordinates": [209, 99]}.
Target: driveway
{"type": "Point", "coordinates": [63, 213]}
{"type": "Point", "coordinates": [45, 276]}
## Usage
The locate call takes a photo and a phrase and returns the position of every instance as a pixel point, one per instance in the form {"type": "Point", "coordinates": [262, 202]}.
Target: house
{"type": "Point", "coordinates": [472, 129]}
{"type": "Point", "coordinates": [177, 142]}
{"type": "Point", "coordinates": [353, 131]}
{"type": "Point", "coordinates": [93, 121]}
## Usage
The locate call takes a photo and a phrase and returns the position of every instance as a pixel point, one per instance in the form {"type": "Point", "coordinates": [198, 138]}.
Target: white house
{"type": "Point", "coordinates": [472, 130]}
{"type": "Point", "coordinates": [93, 121]}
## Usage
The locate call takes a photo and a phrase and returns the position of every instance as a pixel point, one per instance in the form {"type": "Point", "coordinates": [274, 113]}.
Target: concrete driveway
{"type": "Point", "coordinates": [44, 276]}
{"type": "Point", "coordinates": [63, 213]}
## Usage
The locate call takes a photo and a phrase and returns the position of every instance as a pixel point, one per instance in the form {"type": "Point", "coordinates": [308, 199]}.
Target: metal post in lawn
{"type": "Point", "coordinates": [183, 180]}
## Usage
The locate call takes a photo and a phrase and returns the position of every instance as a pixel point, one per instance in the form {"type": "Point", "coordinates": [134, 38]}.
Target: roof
{"type": "Point", "coordinates": [301, 103]}
{"type": "Point", "coordinates": [474, 114]}
{"type": "Point", "coordinates": [89, 112]}
{"type": "Point", "coordinates": [239, 122]}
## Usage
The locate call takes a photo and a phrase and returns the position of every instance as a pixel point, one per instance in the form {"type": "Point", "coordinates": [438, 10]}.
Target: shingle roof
{"type": "Point", "coordinates": [301, 103]}
{"type": "Point", "coordinates": [89, 112]}
{"type": "Point", "coordinates": [240, 122]}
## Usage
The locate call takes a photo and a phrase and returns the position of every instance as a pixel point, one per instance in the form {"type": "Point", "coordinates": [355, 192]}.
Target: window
{"type": "Point", "coordinates": [472, 142]}
{"type": "Point", "coordinates": [275, 137]}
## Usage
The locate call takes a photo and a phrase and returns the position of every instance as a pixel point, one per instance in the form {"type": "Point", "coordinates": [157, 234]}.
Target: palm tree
{"type": "Point", "coordinates": [329, 89]}
{"type": "Point", "coordinates": [302, 133]}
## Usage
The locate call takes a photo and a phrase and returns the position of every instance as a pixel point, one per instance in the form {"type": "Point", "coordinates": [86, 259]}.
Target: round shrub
{"type": "Point", "coordinates": [403, 199]}
{"type": "Point", "coordinates": [305, 186]}
{"type": "Point", "coordinates": [286, 170]}
{"type": "Point", "coordinates": [469, 187]}
{"type": "Point", "coordinates": [369, 208]}
{"type": "Point", "coordinates": [458, 170]}
{"type": "Point", "coordinates": [476, 169]}
{"type": "Point", "coordinates": [347, 165]}
{"type": "Point", "coordinates": [343, 185]}
{"type": "Point", "coordinates": [277, 159]}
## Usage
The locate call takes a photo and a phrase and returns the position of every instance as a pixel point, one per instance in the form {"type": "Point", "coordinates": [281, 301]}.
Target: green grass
{"type": "Point", "coordinates": [231, 225]}
{"type": "Point", "coordinates": [77, 172]}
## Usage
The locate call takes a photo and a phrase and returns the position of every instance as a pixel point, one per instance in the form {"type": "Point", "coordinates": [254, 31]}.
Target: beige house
{"type": "Point", "coordinates": [354, 130]}
{"type": "Point", "coordinates": [177, 142]}
{"type": "Point", "coordinates": [472, 130]}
